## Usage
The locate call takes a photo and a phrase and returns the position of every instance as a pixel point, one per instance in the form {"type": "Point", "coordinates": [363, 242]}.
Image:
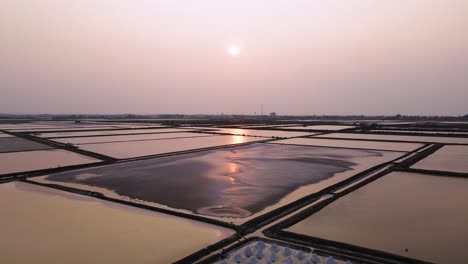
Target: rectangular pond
{"type": "Point", "coordinates": [434, 132]}
{"type": "Point", "coordinates": [453, 140]}
{"type": "Point", "coordinates": [126, 138]}
{"type": "Point", "coordinates": [391, 146]}
{"type": "Point", "coordinates": [319, 127]}
{"type": "Point", "coordinates": [448, 158]}
{"type": "Point", "coordinates": [123, 150]}
{"type": "Point", "coordinates": [43, 225]}
{"type": "Point", "coordinates": [3, 135]}
{"type": "Point", "coordinates": [232, 184]}
{"type": "Point", "coordinates": [413, 215]}
{"type": "Point", "coordinates": [40, 159]}
{"type": "Point", "coordinates": [106, 132]}
{"type": "Point", "coordinates": [14, 144]}
{"type": "Point", "coordinates": [262, 133]}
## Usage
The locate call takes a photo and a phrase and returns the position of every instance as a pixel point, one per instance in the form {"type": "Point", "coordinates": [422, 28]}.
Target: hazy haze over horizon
{"type": "Point", "coordinates": [296, 57]}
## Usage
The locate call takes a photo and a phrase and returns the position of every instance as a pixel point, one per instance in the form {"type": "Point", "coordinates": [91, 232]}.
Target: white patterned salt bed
{"type": "Point", "coordinates": [260, 252]}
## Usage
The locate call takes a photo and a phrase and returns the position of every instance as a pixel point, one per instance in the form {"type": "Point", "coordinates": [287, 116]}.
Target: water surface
{"type": "Point", "coordinates": [40, 159]}
{"type": "Point", "coordinates": [391, 146]}
{"type": "Point", "coordinates": [122, 150]}
{"type": "Point", "coordinates": [234, 182]}
{"type": "Point", "coordinates": [399, 138]}
{"type": "Point", "coordinates": [42, 225]}
{"type": "Point", "coordinates": [13, 144]}
{"type": "Point", "coordinates": [425, 214]}
{"type": "Point", "coordinates": [127, 138]}
{"type": "Point", "coordinates": [448, 158]}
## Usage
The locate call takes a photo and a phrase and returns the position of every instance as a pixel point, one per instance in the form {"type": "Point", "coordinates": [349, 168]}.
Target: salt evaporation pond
{"type": "Point", "coordinates": [13, 144]}
{"type": "Point", "coordinates": [40, 159]}
{"type": "Point", "coordinates": [42, 225]}
{"type": "Point", "coordinates": [238, 183]}
{"type": "Point", "coordinates": [262, 133]}
{"type": "Point", "coordinates": [108, 132]}
{"type": "Point", "coordinates": [448, 158]}
{"type": "Point", "coordinates": [318, 127]}
{"type": "Point", "coordinates": [61, 128]}
{"type": "Point", "coordinates": [260, 252]}
{"type": "Point", "coordinates": [123, 150]}
{"type": "Point", "coordinates": [391, 146]}
{"type": "Point", "coordinates": [450, 140]}
{"type": "Point", "coordinates": [422, 132]}
{"type": "Point", "coordinates": [421, 213]}
{"type": "Point", "coordinates": [127, 138]}
{"type": "Point", "coordinates": [3, 135]}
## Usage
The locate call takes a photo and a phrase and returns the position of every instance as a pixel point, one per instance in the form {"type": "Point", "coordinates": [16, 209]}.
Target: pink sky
{"type": "Point", "coordinates": [296, 57]}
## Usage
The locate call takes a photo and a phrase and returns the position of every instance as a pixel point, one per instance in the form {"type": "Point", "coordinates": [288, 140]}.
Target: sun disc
{"type": "Point", "coordinates": [233, 51]}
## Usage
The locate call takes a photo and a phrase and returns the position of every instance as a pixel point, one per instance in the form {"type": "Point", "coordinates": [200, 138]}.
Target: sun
{"type": "Point", "coordinates": [234, 51]}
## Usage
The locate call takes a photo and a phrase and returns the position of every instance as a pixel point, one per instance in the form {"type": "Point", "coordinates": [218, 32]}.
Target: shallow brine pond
{"type": "Point", "coordinates": [43, 225]}
{"type": "Point", "coordinates": [127, 138]}
{"type": "Point", "coordinates": [358, 144]}
{"type": "Point", "coordinates": [40, 159]}
{"type": "Point", "coordinates": [448, 158]}
{"type": "Point", "coordinates": [131, 149]}
{"type": "Point", "coordinates": [453, 140]}
{"type": "Point", "coordinates": [408, 214]}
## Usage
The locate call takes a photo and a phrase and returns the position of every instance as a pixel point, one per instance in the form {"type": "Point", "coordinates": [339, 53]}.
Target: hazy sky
{"type": "Point", "coordinates": [295, 57]}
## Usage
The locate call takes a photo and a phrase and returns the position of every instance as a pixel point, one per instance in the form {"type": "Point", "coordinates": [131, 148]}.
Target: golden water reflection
{"type": "Point", "coordinates": [238, 139]}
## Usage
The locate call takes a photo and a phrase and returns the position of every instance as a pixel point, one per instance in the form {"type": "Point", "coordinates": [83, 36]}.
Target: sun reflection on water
{"type": "Point", "coordinates": [237, 139]}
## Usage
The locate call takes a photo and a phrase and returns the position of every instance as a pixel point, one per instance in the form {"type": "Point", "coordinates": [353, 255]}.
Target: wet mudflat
{"type": "Point", "coordinates": [40, 159]}
{"type": "Point", "coordinates": [42, 225]}
{"type": "Point", "coordinates": [424, 214]}
{"type": "Point", "coordinates": [391, 146]}
{"type": "Point", "coordinates": [13, 144]}
{"type": "Point", "coordinates": [234, 182]}
{"type": "Point", "coordinates": [448, 158]}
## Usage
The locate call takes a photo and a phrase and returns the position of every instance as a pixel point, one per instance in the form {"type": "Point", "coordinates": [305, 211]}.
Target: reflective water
{"type": "Point", "coordinates": [399, 138]}
{"type": "Point", "coordinates": [392, 146]}
{"type": "Point", "coordinates": [319, 127]}
{"type": "Point", "coordinates": [42, 225]}
{"type": "Point", "coordinates": [236, 182]}
{"type": "Point", "coordinates": [424, 214]}
{"type": "Point", "coordinates": [262, 133]}
{"type": "Point", "coordinates": [107, 139]}
{"type": "Point", "coordinates": [3, 135]}
{"type": "Point", "coordinates": [122, 150]}
{"type": "Point", "coordinates": [448, 158]}
{"type": "Point", "coordinates": [40, 159]}
{"type": "Point", "coordinates": [107, 132]}
{"type": "Point", "coordinates": [423, 132]}
{"type": "Point", "coordinates": [12, 144]}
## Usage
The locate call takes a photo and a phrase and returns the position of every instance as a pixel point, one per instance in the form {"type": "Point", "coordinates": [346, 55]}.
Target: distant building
{"type": "Point", "coordinates": [273, 115]}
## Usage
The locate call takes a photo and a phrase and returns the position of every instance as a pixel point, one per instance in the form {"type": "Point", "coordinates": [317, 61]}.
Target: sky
{"type": "Point", "coordinates": [370, 57]}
